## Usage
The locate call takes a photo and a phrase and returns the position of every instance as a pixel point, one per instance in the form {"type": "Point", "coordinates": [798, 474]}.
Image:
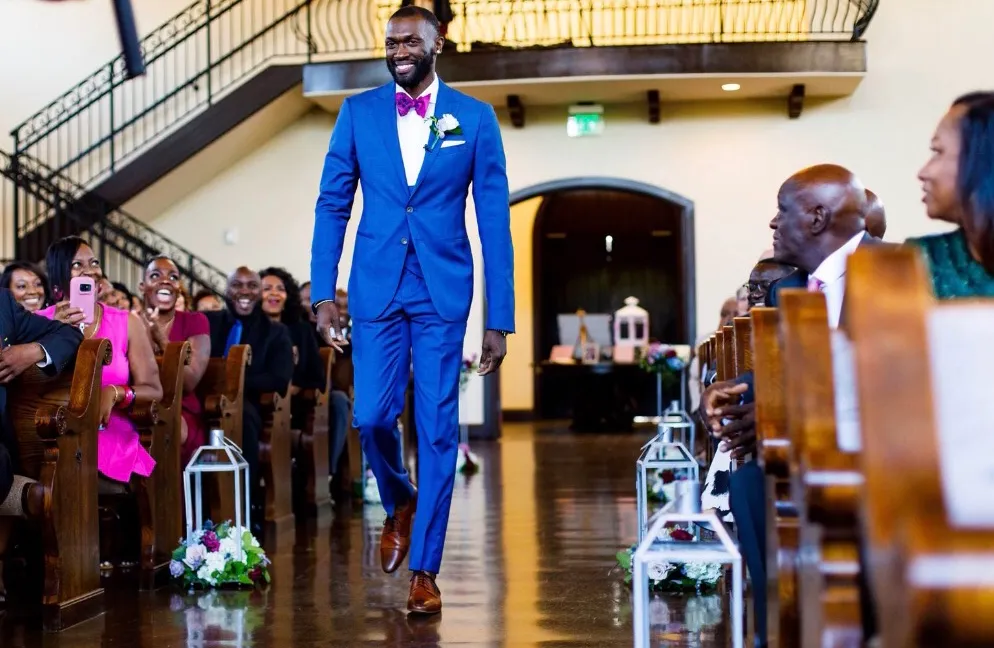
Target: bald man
{"type": "Point", "coordinates": [819, 223]}
{"type": "Point", "coordinates": [875, 218]}
{"type": "Point", "coordinates": [243, 322]}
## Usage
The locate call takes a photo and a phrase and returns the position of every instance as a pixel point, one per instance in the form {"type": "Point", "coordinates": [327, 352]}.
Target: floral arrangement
{"type": "Point", "coordinates": [662, 486]}
{"type": "Point", "coordinates": [467, 461]}
{"type": "Point", "coordinates": [662, 360]}
{"type": "Point", "coordinates": [674, 577]}
{"type": "Point", "coordinates": [220, 555]}
{"type": "Point", "coordinates": [468, 368]}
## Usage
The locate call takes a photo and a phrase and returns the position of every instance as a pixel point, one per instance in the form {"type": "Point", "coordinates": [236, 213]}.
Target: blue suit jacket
{"type": "Point", "coordinates": [432, 214]}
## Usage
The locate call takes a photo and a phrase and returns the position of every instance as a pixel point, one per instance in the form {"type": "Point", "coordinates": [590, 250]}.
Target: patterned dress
{"type": "Point", "coordinates": [955, 273]}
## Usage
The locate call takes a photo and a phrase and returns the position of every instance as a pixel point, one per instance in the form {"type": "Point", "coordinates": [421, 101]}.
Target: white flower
{"type": "Point", "coordinates": [229, 547]}
{"type": "Point", "coordinates": [206, 574]}
{"type": "Point", "coordinates": [216, 561]}
{"type": "Point", "coordinates": [708, 573]}
{"type": "Point", "coordinates": [659, 570]}
{"type": "Point", "coordinates": [446, 123]}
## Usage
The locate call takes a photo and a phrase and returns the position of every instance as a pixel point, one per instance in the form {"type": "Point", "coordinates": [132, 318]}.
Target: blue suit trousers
{"type": "Point", "coordinates": [411, 329]}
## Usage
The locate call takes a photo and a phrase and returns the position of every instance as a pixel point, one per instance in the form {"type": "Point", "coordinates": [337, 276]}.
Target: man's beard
{"type": "Point", "coordinates": [422, 68]}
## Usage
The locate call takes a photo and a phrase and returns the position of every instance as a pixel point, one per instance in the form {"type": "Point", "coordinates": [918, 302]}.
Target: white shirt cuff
{"type": "Point", "coordinates": [47, 361]}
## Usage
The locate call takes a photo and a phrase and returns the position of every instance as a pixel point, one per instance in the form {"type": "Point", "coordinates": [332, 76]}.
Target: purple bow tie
{"type": "Point", "coordinates": [405, 104]}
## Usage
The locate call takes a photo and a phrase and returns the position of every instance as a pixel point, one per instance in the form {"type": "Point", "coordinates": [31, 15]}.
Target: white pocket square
{"type": "Point", "coordinates": [453, 143]}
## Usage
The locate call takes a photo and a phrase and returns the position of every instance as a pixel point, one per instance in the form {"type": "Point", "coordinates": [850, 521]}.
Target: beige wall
{"type": "Point", "coordinates": [48, 47]}
{"type": "Point", "coordinates": [729, 158]}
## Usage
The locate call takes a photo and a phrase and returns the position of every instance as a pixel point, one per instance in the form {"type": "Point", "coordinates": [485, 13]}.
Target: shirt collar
{"type": "Point", "coordinates": [833, 267]}
{"type": "Point", "coordinates": [432, 90]}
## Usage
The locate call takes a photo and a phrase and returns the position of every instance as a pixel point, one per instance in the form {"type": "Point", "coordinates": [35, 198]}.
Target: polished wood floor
{"type": "Point", "coordinates": [528, 561]}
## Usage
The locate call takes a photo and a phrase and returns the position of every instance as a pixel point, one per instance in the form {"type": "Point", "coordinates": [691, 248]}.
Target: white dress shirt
{"type": "Point", "coordinates": [413, 131]}
{"type": "Point", "coordinates": [832, 274]}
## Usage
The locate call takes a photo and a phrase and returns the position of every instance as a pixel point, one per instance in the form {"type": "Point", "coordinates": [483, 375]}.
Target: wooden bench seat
{"type": "Point", "coordinates": [55, 420]}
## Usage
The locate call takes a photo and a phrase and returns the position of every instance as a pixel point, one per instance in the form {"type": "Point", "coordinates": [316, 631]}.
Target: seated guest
{"type": "Point", "coordinates": [28, 340]}
{"type": "Point", "coordinates": [27, 284]}
{"type": "Point", "coordinates": [765, 275]}
{"type": "Point", "coordinates": [728, 310]}
{"type": "Point", "coordinates": [958, 183]}
{"type": "Point", "coordinates": [875, 217]}
{"type": "Point", "coordinates": [244, 322]}
{"type": "Point", "coordinates": [161, 291]}
{"type": "Point", "coordinates": [132, 372]}
{"type": "Point", "coordinates": [183, 300]}
{"type": "Point", "coordinates": [819, 223]}
{"type": "Point", "coordinates": [115, 295]}
{"type": "Point", "coordinates": [281, 303]}
{"type": "Point", "coordinates": [205, 301]}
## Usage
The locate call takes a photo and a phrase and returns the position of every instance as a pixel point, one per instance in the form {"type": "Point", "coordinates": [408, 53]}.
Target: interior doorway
{"type": "Point", "coordinates": [596, 242]}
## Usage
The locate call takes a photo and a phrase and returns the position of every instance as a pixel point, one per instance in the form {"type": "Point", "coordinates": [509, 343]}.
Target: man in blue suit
{"type": "Point", "coordinates": [416, 145]}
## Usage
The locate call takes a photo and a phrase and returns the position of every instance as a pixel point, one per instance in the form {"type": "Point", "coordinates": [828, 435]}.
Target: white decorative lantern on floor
{"type": "Point", "coordinates": [631, 325]}
{"type": "Point", "coordinates": [219, 456]}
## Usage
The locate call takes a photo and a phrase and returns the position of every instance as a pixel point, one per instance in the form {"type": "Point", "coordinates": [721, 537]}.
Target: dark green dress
{"type": "Point", "coordinates": [955, 274]}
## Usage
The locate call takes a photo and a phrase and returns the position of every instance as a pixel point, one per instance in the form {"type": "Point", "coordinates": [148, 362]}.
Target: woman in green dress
{"type": "Point", "coordinates": [958, 186]}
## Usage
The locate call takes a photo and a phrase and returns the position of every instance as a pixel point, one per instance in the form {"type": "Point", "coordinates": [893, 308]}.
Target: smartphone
{"type": "Point", "coordinates": [83, 295]}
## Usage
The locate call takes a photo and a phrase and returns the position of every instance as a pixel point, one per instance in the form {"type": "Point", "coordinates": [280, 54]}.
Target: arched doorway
{"type": "Point", "coordinates": [596, 241]}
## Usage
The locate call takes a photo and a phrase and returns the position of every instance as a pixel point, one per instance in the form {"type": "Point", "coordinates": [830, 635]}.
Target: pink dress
{"type": "Point", "coordinates": [119, 449]}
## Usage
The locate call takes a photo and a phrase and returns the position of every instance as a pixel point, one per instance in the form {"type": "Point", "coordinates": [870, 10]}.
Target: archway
{"type": "Point", "coordinates": [594, 241]}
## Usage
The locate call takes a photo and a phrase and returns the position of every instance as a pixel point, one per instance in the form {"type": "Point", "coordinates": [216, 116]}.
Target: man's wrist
{"type": "Point", "coordinates": [315, 306]}
{"type": "Point", "coordinates": [501, 331]}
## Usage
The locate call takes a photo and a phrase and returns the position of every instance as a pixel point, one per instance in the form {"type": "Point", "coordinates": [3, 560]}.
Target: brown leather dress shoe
{"type": "Point", "coordinates": [396, 537]}
{"type": "Point", "coordinates": [425, 598]}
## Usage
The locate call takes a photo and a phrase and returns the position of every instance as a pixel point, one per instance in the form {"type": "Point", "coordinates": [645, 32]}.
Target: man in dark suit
{"type": "Point", "coordinates": [26, 340]}
{"type": "Point", "coordinates": [819, 223]}
{"type": "Point", "coordinates": [243, 322]}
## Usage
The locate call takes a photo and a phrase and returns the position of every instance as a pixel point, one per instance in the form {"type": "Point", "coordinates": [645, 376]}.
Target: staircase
{"type": "Point", "coordinates": [51, 207]}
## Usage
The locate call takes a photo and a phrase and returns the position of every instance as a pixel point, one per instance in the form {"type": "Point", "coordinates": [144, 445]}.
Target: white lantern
{"type": "Point", "coordinates": [219, 456]}
{"type": "Point", "coordinates": [631, 325]}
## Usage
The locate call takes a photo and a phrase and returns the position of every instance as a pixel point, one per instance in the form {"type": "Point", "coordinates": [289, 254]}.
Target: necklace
{"type": "Point", "coordinates": [98, 316]}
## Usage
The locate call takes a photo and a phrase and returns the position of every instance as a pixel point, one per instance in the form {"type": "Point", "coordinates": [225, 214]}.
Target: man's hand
{"type": "Point", "coordinates": [329, 325]}
{"type": "Point", "coordinates": [718, 396]}
{"type": "Point", "coordinates": [739, 435]}
{"type": "Point", "coordinates": [15, 359]}
{"type": "Point", "coordinates": [494, 350]}
{"type": "Point", "coordinates": [68, 314]}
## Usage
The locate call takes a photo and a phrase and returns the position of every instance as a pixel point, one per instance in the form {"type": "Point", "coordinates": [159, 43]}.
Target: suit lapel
{"type": "Point", "coordinates": [443, 104]}
{"type": "Point", "coordinates": [388, 130]}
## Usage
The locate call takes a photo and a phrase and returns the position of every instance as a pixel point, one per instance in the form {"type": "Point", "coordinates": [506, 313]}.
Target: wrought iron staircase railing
{"type": "Point", "coordinates": [52, 208]}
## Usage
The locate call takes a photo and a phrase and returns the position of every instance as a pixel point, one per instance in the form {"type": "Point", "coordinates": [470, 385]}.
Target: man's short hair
{"type": "Point", "coordinates": [414, 11]}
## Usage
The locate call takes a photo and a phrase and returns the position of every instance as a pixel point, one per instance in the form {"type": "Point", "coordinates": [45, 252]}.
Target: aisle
{"type": "Point", "coordinates": [528, 562]}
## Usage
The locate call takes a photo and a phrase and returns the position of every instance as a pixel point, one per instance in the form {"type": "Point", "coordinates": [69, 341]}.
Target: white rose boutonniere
{"type": "Point", "coordinates": [447, 124]}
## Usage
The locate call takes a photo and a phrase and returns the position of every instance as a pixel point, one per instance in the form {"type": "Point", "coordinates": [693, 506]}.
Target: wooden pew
{"type": "Point", "coordinates": [727, 359]}
{"type": "Point", "coordinates": [275, 457]}
{"type": "Point", "coordinates": [774, 448]}
{"type": "Point", "coordinates": [166, 482]}
{"type": "Point", "coordinates": [56, 420]}
{"type": "Point", "coordinates": [314, 442]}
{"type": "Point", "coordinates": [222, 391]}
{"type": "Point", "coordinates": [825, 481]}
{"type": "Point", "coordinates": [930, 565]}
{"type": "Point", "coordinates": [742, 327]}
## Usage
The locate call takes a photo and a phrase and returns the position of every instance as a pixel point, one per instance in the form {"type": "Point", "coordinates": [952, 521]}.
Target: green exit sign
{"type": "Point", "coordinates": [584, 121]}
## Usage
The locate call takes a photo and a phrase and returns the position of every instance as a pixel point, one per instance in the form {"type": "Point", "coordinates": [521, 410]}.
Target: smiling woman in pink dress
{"type": "Point", "coordinates": [132, 372]}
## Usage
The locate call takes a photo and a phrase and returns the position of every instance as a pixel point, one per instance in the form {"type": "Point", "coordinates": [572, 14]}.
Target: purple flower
{"type": "Point", "coordinates": [211, 543]}
{"type": "Point", "coordinates": [176, 568]}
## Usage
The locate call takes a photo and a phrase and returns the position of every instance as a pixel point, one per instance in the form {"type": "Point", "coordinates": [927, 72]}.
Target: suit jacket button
{"type": "Point", "coordinates": [410, 210]}
{"type": "Point", "coordinates": [403, 241]}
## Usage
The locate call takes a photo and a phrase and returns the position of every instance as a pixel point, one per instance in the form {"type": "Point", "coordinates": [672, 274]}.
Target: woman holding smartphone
{"type": "Point", "coordinates": [132, 373]}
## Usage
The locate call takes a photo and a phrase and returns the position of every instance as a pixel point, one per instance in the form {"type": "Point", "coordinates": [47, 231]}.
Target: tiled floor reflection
{"type": "Point", "coordinates": [528, 562]}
